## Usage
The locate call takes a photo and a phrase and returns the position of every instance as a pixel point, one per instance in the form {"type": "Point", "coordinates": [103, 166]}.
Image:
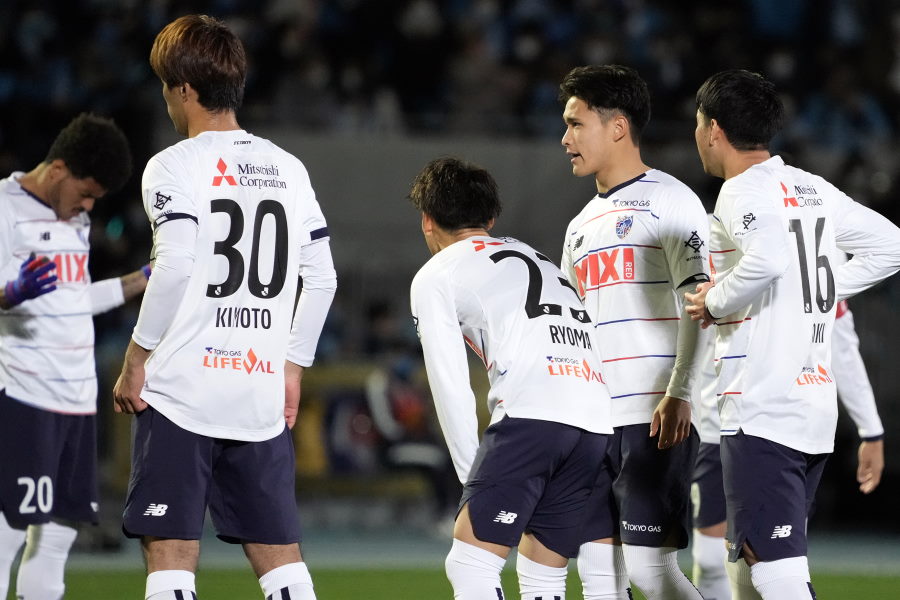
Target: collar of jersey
{"type": "Point", "coordinates": [33, 196]}
{"type": "Point", "coordinates": [616, 188]}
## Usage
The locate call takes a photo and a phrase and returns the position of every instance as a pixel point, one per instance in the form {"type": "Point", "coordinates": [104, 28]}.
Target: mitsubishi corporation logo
{"type": "Point", "coordinates": [222, 167]}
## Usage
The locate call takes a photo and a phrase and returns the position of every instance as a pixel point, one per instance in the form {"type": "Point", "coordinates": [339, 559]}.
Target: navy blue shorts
{"type": "Point", "coordinates": [533, 476]}
{"type": "Point", "coordinates": [769, 492]}
{"type": "Point", "coordinates": [651, 488]}
{"type": "Point", "coordinates": [707, 489]}
{"type": "Point", "coordinates": [48, 465]}
{"type": "Point", "coordinates": [176, 474]}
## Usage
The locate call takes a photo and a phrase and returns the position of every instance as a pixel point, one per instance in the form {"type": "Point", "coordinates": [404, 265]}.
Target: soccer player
{"type": "Point", "coordinates": [707, 492]}
{"type": "Point", "coordinates": [48, 385]}
{"type": "Point", "coordinates": [214, 365]}
{"type": "Point", "coordinates": [631, 252]}
{"type": "Point", "coordinates": [776, 289]}
{"type": "Point", "coordinates": [529, 481]}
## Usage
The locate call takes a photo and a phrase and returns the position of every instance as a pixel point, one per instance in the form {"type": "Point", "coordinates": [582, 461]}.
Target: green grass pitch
{"type": "Point", "coordinates": [390, 584]}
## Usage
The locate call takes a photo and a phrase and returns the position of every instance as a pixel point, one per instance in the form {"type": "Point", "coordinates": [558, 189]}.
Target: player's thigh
{"type": "Point", "coordinates": [652, 489]}
{"type": "Point", "coordinates": [171, 470]}
{"type": "Point", "coordinates": [769, 490]}
{"type": "Point", "coordinates": [560, 519]}
{"type": "Point", "coordinates": [707, 488]}
{"type": "Point", "coordinates": [253, 495]}
{"type": "Point", "coordinates": [47, 464]}
{"type": "Point", "coordinates": [513, 465]}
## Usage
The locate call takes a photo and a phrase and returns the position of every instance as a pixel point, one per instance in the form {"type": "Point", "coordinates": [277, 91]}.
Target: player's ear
{"type": "Point", "coordinates": [427, 224]}
{"type": "Point", "coordinates": [620, 127]}
{"type": "Point", "coordinates": [490, 225]}
{"type": "Point", "coordinates": [57, 170]}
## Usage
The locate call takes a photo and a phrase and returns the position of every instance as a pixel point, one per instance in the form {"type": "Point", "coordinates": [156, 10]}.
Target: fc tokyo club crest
{"type": "Point", "coordinates": [623, 225]}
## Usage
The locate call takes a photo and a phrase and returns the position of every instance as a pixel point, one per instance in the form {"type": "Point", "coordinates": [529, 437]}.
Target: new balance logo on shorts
{"type": "Point", "coordinates": [156, 510]}
{"type": "Point", "coordinates": [505, 517]}
{"type": "Point", "coordinates": [781, 531]}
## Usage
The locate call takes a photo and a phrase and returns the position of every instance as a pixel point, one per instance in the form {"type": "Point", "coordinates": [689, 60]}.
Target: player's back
{"type": "Point", "coordinates": [525, 322]}
{"type": "Point", "coordinates": [218, 369]}
{"type": "Point", "coordinates": [774, 373]}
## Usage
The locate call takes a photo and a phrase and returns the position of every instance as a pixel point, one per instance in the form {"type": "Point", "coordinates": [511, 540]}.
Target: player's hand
{"type": "Point", "coordinates": [127, 391]}
{"type": "Point", "coordinates": [696, 307]}
{"type": "Point", "coordinates": [293, 375]}
{"type": "Point", "coordinates": [33, 281]}
{"type": "Point", "coordinates": [672, 421]}
{"type": "Point", "coordinates": [871, 464]}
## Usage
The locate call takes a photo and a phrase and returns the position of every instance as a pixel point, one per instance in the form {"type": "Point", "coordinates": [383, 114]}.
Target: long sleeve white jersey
{"type": "Point", "coordinates": [631, 253]}
{"type": "Point", "coordinates": [511, 305]}
{"type": "Point", "coordinates": [233, 217]}
{"type": "Point", "coordinates": [853, 387]}
{"type": "Point", "coordinates": [773, 244]}
{"type": "Point", "coordinates": [47, 343]}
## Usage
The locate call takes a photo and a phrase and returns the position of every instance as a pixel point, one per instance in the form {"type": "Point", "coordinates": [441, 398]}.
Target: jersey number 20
{"type": "Point", "coordinates": [235, 259]}
{"type": "Point", "coordinates": [533, 305]}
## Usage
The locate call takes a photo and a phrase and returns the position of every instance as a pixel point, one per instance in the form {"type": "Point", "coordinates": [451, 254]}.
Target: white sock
{"type": "Point", "coordinates": [43, 568]}
{"type": "Point", "coordinates": [784, 579]}
{"type": "Point", "coordinates": [601, 568]}
{"type": "Point", "coordinates": [170, 585]}
{"type": "Point", "coordinates": [10, 542]}
{"type": "Point", "coordinates": [709, 567]}
{"type": "Point", "coordinates": [474, 572]}
{"type": "Point", "coordinates": [741, 584]}
{"type": "Point", "coordinates": [540, 582]}
{"type": "Point", "coordinates": [655, 572]}
{"type": "Point", "coordinates": [292, 579]}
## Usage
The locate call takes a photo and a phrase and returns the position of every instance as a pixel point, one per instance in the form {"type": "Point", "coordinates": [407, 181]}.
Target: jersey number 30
{"type": "Point", "coordinates": [235, 259]}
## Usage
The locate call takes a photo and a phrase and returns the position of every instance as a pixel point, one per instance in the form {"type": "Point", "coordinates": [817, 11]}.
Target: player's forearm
{"type": "Point", "coordinates": [684, 372]}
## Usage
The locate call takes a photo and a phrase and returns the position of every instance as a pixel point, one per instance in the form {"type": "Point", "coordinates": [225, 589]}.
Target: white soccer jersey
{"type": "Point", "coordinates": [627, 253]}
{"type": "Point", "coordinates": [47, 343]}
{"type": "Point", "coordinates": [511, 305]}
{"type": "Point", "coordinates": [853, 387]}
{"type": "Point", "coordinates": [218, 369]}
{"type": "Point", "coordinates": [773, 247]}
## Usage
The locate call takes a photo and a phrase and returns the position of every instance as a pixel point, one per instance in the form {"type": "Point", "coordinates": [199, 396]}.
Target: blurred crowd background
{"type": "Point", "coordinates": [366, 92]}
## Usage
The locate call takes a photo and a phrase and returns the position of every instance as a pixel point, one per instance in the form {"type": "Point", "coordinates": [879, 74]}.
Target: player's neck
{"type": "Point", "coordinates": [446, 238]}
{"type": "Point", "coordinates": [739, 161]}
{"type": "Point", "coordinates": [205, 120]}
{"type": "Point", "coordinates": [619, 171]}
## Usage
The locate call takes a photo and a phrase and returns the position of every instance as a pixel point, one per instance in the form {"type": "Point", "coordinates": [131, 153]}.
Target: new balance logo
{"type": "Point", "coordinates": [781, 531]}
{"type": "Point", "coordinates": [506, 518]}
{"type": "Point", "coordinates": [156, 510]}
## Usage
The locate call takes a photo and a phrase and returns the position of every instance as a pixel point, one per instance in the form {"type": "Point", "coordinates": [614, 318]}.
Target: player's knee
{"type": "Point", "coordinates": [786, 573]}
{"type": "Point", "coordinates": [471, 569]}
{"type": "Point", "coordinates": [601, 568]}
{"type": "Point", "coordinates": [540, 581]}
{"type": "Point", "coordinates": [709, 554]}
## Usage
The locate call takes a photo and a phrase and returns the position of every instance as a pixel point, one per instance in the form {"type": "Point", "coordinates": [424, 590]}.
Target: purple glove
{"type": "Point", "coordinates": [33, 280]}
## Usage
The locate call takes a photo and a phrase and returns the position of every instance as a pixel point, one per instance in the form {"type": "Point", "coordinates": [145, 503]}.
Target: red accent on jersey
{"type": "Point", "coordinates": [217, 180]}
{"type": "Point", "coordinates": [788, 201]}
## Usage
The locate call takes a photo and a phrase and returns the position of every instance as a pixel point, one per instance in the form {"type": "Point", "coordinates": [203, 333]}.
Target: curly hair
{"type": "Point", "coordinates": [94, 146]}
{"type": "Point", "coordinates": [456, 194]}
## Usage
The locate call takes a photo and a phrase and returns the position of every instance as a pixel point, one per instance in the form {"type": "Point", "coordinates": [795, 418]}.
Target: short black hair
{"type": "Point", "coordinates": [746, 106]}
{"type": "Point", "coordinates": [456, 194]}
{"type": "Point", "coordinates": [609, 89]}
{"type": "Point", "coordinates": [93, 146]}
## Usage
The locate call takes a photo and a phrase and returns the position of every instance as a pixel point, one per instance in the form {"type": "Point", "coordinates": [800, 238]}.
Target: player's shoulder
{"type": "Point", "coordinates": [667, 191]}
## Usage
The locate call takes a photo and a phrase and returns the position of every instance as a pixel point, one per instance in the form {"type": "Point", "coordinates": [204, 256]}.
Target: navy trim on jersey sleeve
{"type": "Point", "coordinates": [173, 217]}
{"type": "Point", "coordinates": [872, 438]}
{"type": "Point", "coordinates": [698, 278]}
{"type": "Point", "coordinates": [318, 234]}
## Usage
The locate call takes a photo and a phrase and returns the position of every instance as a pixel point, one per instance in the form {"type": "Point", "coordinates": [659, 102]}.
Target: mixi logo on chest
{"type": "Point", "coordinates": [71, 267]}
{"type": "Point", "coordinates": [604, 267]}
